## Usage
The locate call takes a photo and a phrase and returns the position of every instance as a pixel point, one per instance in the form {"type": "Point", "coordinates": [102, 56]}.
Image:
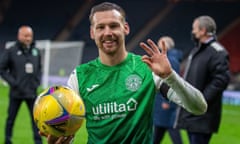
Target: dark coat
{"type": "Point", "coordinates": [208, 72]}
{"type": "Point", "coordinates": [21, 68]}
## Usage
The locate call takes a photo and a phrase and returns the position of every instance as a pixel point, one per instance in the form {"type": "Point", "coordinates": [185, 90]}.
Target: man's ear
{"type": "Point", "coordinates": [126, 28]}
{"type": "Point", "coordinates": [204, 31]}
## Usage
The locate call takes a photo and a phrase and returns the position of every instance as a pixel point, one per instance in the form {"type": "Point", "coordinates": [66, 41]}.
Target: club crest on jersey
{"type": "Point", "coordinates": [133, 82]}
{"type": "Point", "coordinates": [34, 52]}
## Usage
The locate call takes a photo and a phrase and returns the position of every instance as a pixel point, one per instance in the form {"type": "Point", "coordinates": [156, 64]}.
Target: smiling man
{"type": "Point", "coordinates": [119, 108]}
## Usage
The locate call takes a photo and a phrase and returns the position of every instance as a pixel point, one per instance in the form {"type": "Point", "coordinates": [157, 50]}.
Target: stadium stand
{"type": "Point", "coordinates": [178, 23]}
{"type": "Point", "coordinates": [67, 20]}
{"type": "Point", "coordinates": [46, 17]}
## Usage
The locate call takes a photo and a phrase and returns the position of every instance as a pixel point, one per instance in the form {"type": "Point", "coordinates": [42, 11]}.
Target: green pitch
{"type": "Point", "coordinates": [228, 133]}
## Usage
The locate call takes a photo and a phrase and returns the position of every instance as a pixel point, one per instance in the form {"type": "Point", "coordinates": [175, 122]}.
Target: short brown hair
{"type": "Point", "coordinates": [106, 6]}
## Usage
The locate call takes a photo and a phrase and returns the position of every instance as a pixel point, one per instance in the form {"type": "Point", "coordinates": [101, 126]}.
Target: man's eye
{"type": "Point", "coordinates": [114, 26]}
{"type": "Point", "coordinates": [100, 27]}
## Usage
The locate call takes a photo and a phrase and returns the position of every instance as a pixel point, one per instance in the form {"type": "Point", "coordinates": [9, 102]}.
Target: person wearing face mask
{"type": "Point", "coordinates": [20, 66]}
{"type": "Point", "coordinates": [207, 69]}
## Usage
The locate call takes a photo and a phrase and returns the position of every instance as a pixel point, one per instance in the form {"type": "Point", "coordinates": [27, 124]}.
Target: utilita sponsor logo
{"type": "Point", "coordinates": [114, 107]}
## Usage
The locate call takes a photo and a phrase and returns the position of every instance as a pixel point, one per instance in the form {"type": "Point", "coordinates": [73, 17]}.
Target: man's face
{"type": "Point", "coordinates": [197, 33]}
{"type": "Point", "coordinates": [108, 29]}
{"type": "Point", "coordinates": [195, 29]}
{"type": "Point", "coordinates": [25, 36]}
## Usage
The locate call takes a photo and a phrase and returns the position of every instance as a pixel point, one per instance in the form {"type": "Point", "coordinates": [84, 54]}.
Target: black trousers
{"type": "Point", "coordinates": [159, 132]}
{"type": "Point", "coordinates": [13, 109]}
{"type": "Point", "coordinates": [199, 138]}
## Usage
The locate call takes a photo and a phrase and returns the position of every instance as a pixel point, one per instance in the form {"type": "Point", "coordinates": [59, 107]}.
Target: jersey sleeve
{"type": "Point", "coordinates": [73, 82]}
{"type": "Point", "coordinates": [184, 94]}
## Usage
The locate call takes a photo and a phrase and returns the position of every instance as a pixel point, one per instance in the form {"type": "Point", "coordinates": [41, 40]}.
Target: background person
{"type": "Point", "coordinates": [20, 66]}
{"type": "Point", "coordinates": [207, 69]}
{"type": "Point", "coordinates": [165, 111]}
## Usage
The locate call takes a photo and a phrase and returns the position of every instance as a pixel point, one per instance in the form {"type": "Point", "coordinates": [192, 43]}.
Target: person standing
{"type": "Point", "coordinates": [165, 111]}
{"type": "Point", "coordinates": [118, 87]}
{"type": "Point", "coordinates": [207, 69]}
{"type": "Point", "coordinates": [20, 66]}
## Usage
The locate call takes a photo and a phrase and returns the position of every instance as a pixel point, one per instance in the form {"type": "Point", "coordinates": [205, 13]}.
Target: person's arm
{"type": "Point", "coordinates": [182, 93]}
{"type": "Point", "coordinates": [73, 82]}
{"type": "Point", "coordinates": [39, 72]}
{"type": "Point", "coordinates": [219, 76]}
{"type": "Point", "coordinates": [4, 69]}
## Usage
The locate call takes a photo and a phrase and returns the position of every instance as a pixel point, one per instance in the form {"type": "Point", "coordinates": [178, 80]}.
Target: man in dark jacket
{"type": "Point", "coordinates": [20, 66]}
{"type": "Point", "coordinates": [208, 70]}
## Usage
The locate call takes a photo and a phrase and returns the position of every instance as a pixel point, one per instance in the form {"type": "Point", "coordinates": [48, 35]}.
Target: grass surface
{"type": "Point", "coordinates": [228, 133]}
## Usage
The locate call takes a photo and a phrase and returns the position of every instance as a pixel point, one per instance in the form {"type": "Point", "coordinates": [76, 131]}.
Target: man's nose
{"type": "Point", "coordinates": [108, 31]}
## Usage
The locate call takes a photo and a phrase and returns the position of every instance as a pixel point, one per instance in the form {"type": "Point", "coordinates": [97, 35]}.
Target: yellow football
{"type": "Point", "coordinates": [59, 111]}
